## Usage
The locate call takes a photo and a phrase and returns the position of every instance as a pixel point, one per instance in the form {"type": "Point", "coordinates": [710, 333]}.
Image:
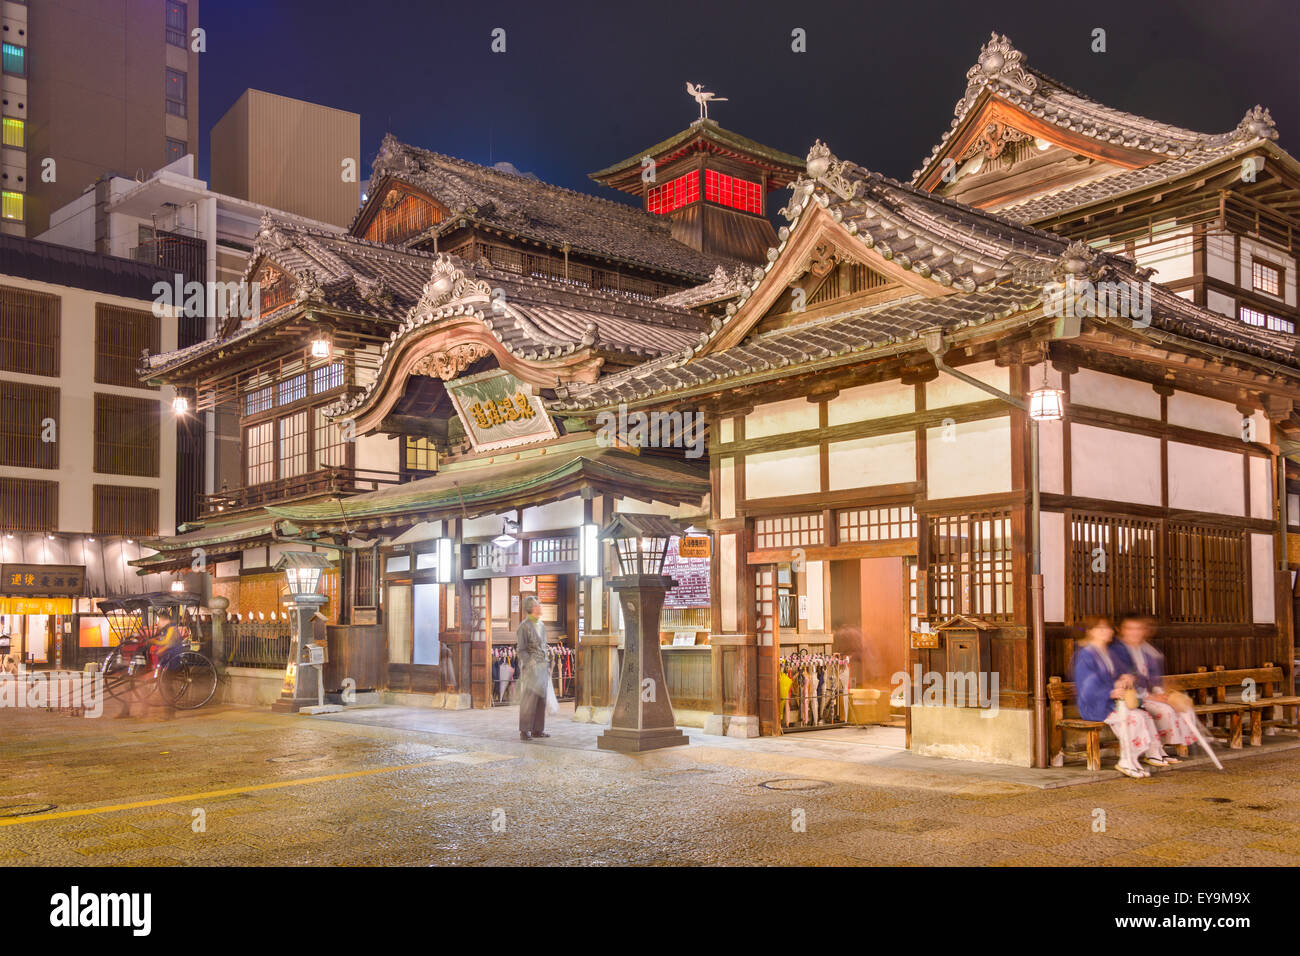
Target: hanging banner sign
{"type": "Point", "coordinates": [498, 411]}
{"type": "Point", "coordinates": [35, 605]}
{"type": "Point", "coordinates": [42, 580]}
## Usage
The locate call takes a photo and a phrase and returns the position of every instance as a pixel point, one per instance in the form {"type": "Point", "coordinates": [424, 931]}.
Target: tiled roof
{"type": "Point", "coordinates": [709, 131]}
{"type": "Point", "coordinates": [999, 266]}
{"type": "Point", "coordinates": [1001, 72]}
{"type": "Point", "coordinates": [1039, 208]}
{"type": "Point", "coordinates": [528, 207]}
{"type": "Point", "coordinates": [723, 284]}
{"type": "Point", "coordinates": [539, 318]}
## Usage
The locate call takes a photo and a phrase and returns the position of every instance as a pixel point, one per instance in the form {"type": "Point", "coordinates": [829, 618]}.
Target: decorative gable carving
{"type": "Point", "coordinates": [450, 363]}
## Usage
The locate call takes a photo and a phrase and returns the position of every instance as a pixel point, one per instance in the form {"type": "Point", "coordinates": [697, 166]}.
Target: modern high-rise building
{"type": "Point", "coordinates": [90, 87]}
{"type": "Point", "coordinates": [299, 157]}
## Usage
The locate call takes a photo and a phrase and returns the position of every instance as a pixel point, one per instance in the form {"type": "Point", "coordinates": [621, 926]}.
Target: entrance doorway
{"type": "Point", "coordinates": [838, 632]}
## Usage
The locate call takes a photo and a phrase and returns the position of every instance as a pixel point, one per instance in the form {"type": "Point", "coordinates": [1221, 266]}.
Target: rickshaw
{"type": "Point", "coordinates": [157, 650]}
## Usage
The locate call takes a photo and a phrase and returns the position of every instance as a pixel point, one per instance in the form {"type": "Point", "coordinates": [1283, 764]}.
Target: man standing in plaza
{"type": "Point", "coordinates": [534, 671]}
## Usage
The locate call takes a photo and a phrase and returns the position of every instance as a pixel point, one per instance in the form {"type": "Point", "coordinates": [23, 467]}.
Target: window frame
{"type": "Point", "coordinates": [173, 106]}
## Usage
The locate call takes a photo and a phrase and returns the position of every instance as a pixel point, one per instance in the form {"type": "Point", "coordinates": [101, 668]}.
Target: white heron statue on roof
{"type": "Point", "coordinates": [703, 97]}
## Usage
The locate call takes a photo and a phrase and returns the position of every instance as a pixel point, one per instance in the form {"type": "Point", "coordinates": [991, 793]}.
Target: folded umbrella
{"type": "Point", "coordinates": [1182, 704]}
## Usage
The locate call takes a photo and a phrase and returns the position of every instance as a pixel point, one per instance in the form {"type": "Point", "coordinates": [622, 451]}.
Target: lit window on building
{"type": "Point", "coordinates": [176, 22]}
{"type": "Point", "coordinates": [15, 59]}
{"type": "Point", "coordinates": [176, 148]}
{"type": "Point", "coordinates": [11, 205]}
{"type": "Point", "coordinates": [15, 131]}
{"type": "Point", "coordinates": [1266, 278]}
{"type": "Point", "coordinates": [1266, 320]}
{"type": "Point", "coordinates": [420, 454]}
{"type": "Point", "coordinates": [732, 191]}
{"type": "Point", "coordinates": [674, 194]}
{"type": "Point", "coordinates": [327, 377]}
{"type": "Point", "coordinates": [175, 90]}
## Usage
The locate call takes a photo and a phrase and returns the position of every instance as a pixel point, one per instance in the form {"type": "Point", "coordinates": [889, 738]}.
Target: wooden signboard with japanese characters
{"type": "Point", "coordinates": [498, 411]}
{"type": "Point", "coordinates": [42, 580]}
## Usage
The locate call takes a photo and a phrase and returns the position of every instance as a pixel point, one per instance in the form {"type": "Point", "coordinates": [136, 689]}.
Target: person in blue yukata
{"type": "Point", "coordinates": [1103, 691]}
{"type": "Point", "coordinates": [1135, 656]}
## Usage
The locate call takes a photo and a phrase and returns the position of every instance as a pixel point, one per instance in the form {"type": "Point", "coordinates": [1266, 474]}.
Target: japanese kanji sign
{"type": "Point", "coordinates": [498, 411]}
{"type": "Point", "coordinates": [42, 580]}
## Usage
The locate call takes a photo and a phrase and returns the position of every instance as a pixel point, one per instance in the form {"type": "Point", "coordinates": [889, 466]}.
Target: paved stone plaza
{"type": "Point", "coordinates": [389, 785]}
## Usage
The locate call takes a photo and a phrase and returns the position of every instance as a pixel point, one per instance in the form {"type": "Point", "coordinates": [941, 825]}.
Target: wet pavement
{"type": "Point", "coordinates": [401, 785]}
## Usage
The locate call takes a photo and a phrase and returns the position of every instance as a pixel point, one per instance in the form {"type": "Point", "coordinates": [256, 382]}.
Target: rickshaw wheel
{"type": "Point", "coordinates": [122, 675]}
{"type": "Point", "coordinates": [189, 681]}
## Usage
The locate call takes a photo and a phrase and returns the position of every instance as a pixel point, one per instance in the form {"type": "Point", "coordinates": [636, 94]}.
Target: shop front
{"type": "Point", "coordinates": [39, 623]}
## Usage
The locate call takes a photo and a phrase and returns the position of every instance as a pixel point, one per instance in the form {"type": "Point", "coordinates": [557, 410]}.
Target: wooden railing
{"type": "Point", "coordinates": [333, 481]}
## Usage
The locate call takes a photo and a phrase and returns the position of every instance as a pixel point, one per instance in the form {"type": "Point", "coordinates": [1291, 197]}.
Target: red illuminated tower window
{"type": "Point", "coordinates": [674, 194]}
{"type": "Point", "coordinates": [731, 191]}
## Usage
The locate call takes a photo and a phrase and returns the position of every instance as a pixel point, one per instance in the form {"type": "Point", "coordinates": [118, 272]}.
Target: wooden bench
{"type": "Point", "coordinates": [1208, 690]}
{"type": "Point", "coordinates": [1285, 708]}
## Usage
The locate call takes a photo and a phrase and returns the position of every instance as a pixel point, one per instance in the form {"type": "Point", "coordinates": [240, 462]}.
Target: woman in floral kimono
{"type": "Point", "coordinates": [1102, 689]}
{"type": "Point", "coordinates": [1135, 656]}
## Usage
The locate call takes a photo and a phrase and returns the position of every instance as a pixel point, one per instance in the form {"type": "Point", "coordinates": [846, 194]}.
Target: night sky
{"type": "Point", "coordinates": [582, 85]}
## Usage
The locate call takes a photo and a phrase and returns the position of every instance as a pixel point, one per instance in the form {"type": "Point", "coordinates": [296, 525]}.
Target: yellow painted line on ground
{"type": "Point", "coordinates": [210, 794]}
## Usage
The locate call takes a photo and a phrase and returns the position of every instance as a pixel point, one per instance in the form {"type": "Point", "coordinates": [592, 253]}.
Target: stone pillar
{"type": "Point", "coordinates": [220, 623]}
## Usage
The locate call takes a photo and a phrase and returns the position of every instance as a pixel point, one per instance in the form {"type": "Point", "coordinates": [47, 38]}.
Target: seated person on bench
{"type": "Point", "coordinates": [1135, 657]}
{"type": "Point", "coordinates": [1102, 689]}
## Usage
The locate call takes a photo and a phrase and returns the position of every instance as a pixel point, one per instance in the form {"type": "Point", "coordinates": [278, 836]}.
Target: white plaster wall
{"type": "Point", "coordinates": [482, 525]}
{"type": "Point", "coordinates": [1053, 537]}
{"type": "Point", "coordinates": [946, 390]}
{"type": "Point", "coordinates": [793, 471]}
{"type": "Point", "coordinates": [1205, 479]}
{"type": "Point", "coordinates": [1114, 393]}
{"type": "Point", "coordinates": [1223, 304]}
{"type": "Point", "coordinates": [977, 461]}
{"type": "Point", "coordinates": [727, 488]}
{"type": "Point", "coordinates": [634, 506]}
{"type": "Point", "coordinates": [255, 558]}
{"type": "Point", "coordinates": [1261, 487]}
{"type": "Point", "coordinates": [775, 418]}
{"type": "Point", "coordinates": [875, 460]}
{"type": "Point", "coordinates": [1206, 414]}
{"type": "Point", "coordinates": [865, 402]}
{"type": "Point", "coordinates": [727, 430]}
{"type": "Point", "coordinates": [379, 452]}
{"type": "Point", "coordinates": [728, 580]}
{"type": "Point", "coordinates": [1171, 257]}
{"type": "Point", "coordinates": [563, 515]}
{"type": "Point", "coordinates": [1051, 457]}
{"type": "Point", "coordinates": [816, 592]}
{"type": "Point", "coordinates": [1114, 465]}
{"type": "Point", "coordinates": [1261, 583]}
{"type": "Point", "coordinates": [1220, 250]}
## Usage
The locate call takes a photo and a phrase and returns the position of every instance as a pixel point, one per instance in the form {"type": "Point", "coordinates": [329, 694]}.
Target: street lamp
{"type": "Point", "coordinates": [302, 675]}
{"type": "Point", "coordinates": [505, 539]}
{"type": "Point", "coordinates": [181, 405]}
{"type": "Point", "coordinates": [643, 713]}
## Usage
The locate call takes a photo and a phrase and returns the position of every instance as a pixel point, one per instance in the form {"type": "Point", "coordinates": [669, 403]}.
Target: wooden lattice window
{"type": "Point", "coordinates": [552, 550]}
{"type": "Point", "coordinates": [678, 192]}
{"type": "Point", "coordinates": [793, 531]}
{"type": "Point", "coordinates": [1265, 277]}
{"type": "Point", "coordinates": [365, 579]}
{"type": "Point", "coordinates": [970, 565]}
{"type": "Point", "coordinates": [293, 445]}
{"type": "Point", "coordinates": [28, 504]}
{"type": "Point", "coordinates": [402, 214]}
{"type": "Point", "coordinates": [120, 336]}
{"type": "Point", "coordinates": [259, 453]}
{"type": "Point", "coordinates": [478, 611]}
{"type": "Point", "coordinates": [732, 191]}
{"type": "Point", "coordinates": [330, 440]}
{"type": "Point", "coordinates": [1207, 575]}
{"type": "Point", "coordinates": [126, 435]}
{"type": "Point", "coordinates": [29, 425]}
{"type": "Point", "coordinates": [420, 454]}
{"type": "Point", "coordinates": [29, 331]}
{"type": "Point", "coordinates": [120, 509]}
{"type": "Point", "coordinates": [1113, 565]}
{"type": "Point", "coordinates": [876, 524]}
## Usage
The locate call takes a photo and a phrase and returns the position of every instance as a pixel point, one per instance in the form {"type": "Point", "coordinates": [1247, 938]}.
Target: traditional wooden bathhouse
{"type": "Point", "coordinates": [866, 502]}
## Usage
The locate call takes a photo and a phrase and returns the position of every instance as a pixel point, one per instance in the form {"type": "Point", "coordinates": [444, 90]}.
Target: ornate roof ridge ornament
{"type": "Point", "coordinates": [823, 166]}
{"type": "Point", "coordinates": [307, 287]}
{"type": "Point", "coordinates": [451, 362]}
{"type": "Point", "coordinates": [448, 281]}
{"type": "Point", "coordinates": [1258, 124]}
{"type": "Point", "coordinates": [1000, 62]}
